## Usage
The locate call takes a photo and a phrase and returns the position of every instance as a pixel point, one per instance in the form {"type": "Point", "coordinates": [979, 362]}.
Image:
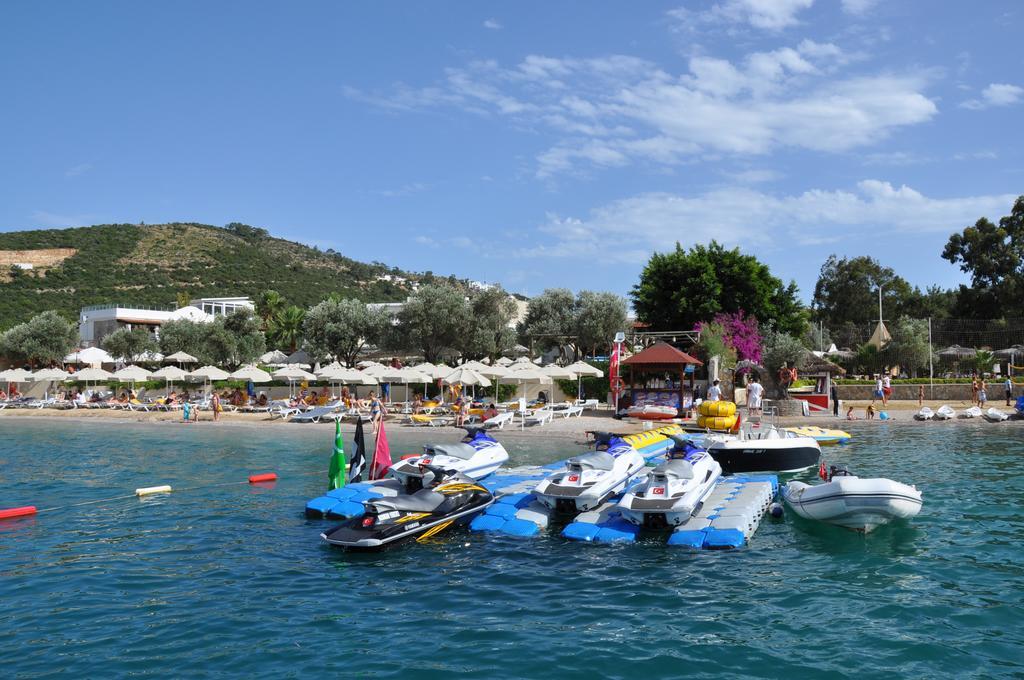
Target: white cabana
{"type": "Point", "coordinates": [256, 375]}
{"type": "Point", "coordinates": [91, 356]}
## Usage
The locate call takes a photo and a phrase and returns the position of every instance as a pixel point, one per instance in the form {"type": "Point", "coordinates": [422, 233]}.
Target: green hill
{"type": "Point", "coordinates": [153, 264]}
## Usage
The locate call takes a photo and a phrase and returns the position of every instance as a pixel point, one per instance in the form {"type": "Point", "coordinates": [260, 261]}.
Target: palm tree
{"type": "Point", "coordinates": [983, 361]}
{"type": "Point", "coordinates": [287, 329]}
{"type": "Point", "coordinates": [269, 306]}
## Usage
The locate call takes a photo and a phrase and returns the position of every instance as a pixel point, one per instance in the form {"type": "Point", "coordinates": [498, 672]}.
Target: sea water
{"type": "Point", "coordinates": [234, 580]}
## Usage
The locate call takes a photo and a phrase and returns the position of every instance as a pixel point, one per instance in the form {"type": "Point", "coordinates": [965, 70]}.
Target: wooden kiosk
{"type": "Point", "coordinates": [657, 376]}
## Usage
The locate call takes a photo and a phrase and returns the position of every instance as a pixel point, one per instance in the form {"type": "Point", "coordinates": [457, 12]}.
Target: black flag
{"type": "Point", "coordinates": [358, 460]}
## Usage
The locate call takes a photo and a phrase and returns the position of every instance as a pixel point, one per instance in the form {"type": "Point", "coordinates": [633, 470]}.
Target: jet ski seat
{"type": "Point", "coordinates": [595, 460]}
{"type": "Point", "coordinates": [459, 450]}
{"type": "Point", "coordinates": [678, 468]}
{"type": "Point", "coordinates": [424, 500]}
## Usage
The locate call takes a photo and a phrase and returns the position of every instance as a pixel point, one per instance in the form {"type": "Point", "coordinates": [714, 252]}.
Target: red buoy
{"type": "Point", "coordinates": [18, 512]}
{"type": "Point", "coordinates": [266, 477]}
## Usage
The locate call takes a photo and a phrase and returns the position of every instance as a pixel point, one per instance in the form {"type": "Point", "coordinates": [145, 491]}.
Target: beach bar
{"type": "Point", "coordinates": [657, 376]}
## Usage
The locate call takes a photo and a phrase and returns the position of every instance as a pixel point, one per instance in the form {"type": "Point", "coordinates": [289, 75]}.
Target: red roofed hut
{"type": "Point", "coordinates": [657, 377]}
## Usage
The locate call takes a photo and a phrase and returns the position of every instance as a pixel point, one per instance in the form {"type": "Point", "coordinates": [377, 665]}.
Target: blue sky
{"type": "Point", "coordinates": [532, 144]}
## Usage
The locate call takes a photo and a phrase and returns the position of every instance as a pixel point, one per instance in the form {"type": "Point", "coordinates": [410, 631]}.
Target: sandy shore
{"type": "Point", "coordinates": [576, 428]}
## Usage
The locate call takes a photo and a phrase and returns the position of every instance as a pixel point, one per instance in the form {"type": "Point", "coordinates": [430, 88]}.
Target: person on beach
{"type": "Point", "coordinates": [490, 412]}
{"type": "Point", "coordinates": [215, 406]}
{"type": "Point", "coordinates": [886, 389]}
{"type": "Point", "coordinates": [869, 412]}
{"type": "Point", "coordinates": [849, 414]}
{"type": "Point", "coordinates": [714, 392]}
{"type": "Point", "coordinates": [974, 390]}
{"type": "Point", "coordinates": [755, 392]}
{"type": "Point", "coordinates": [376, 411]}
{"type": "Point", "coordinates": [1008, 389]}
{"type": "Point", "coordinates": [877, 394]}
{"type": "Point", "coordinates": [186, 412]}
{"type": "Point", "coordinates": [982, 394]}
{"type": "Point", "coordinates": [833, 394]}
{"type": "Point", "coordinates": [346, 397]}
{"type": "Point", "coordinates": [262, 399]}
{"type": "Point", "coordinates": [920, 395]}
{"type": "Point", "coordinates": [460, 407]}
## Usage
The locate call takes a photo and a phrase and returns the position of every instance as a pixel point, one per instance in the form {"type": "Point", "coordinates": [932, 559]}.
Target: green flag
{"type": "Point", "coordinates": [336, 473]}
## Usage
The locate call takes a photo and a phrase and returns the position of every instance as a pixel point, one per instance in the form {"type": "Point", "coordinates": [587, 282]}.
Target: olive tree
{"type": "Point", "coordinates": [128, 343]}
{"type": "Point", "coordinates": [343, 328]}
{"type": "Point", "coordinates": [433, 321]}
{"type": "Point", "coordinates": [43, 339]}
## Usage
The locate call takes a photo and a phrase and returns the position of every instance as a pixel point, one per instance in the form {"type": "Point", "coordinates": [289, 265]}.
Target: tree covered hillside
{"type": "Point", "coordinates": [161, 264]}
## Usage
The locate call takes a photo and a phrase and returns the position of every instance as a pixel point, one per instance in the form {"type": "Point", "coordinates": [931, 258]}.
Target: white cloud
{"type": "Point", "coordinates": [77, 170]}
{"type": "Point", "coordinates": [858, 6]}
{"type": "Point", "coordinates": [757, 220]}
{"type": "Point", "coordinates": [426, 241]}
{"type": "Point", "coordinates": [772, 15]}
{"type": "Point", "coordinates": [492, 24]}
{"type": "Point", "coordinates": [616, 110]}
{"type": "Point", "coordinates": [404, 190]}
{"type": "Point", "coordinates": [996, 94]}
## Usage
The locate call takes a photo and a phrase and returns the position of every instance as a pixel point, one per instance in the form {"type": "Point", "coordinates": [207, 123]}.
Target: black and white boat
{"type": "Point", "coordinates": [767, 449]}
{"type": "Point", "coordinates": [851, 502]}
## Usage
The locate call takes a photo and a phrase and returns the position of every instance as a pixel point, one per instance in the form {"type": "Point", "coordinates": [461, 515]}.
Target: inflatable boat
{"type": "Point", "coordinates": [651, 412]}
{"type": "Point", "coordinates": [994, 415]}
{"type": "Point", "coordinates": [823, 435]}
{"type": "Point", "coordinates": [924, 414]}
{"type": "Point", "coordinates": [972, 412]}
{"type": "Point", "coordinates": [851, 502]}
{"type": "Point", "coordinates": [945, 412]}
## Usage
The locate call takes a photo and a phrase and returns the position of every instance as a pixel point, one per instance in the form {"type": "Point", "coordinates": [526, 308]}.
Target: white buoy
{"type": "Point", "coordinates": [147, 490]}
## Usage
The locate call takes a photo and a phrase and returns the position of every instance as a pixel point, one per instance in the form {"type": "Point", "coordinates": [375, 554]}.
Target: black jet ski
{"type": "Point", "coordinates": [448, 498]}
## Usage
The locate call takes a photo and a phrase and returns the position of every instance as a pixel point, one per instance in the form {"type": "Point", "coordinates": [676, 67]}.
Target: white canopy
{"type": "Point", "coordinates": [503, 361]}
{"type": "Point", "coordinates": [347, 375]}
{"type": "Point", "coordinates": [274, 357]}
{"type": "Point", "coordinates": [299, 357]}
{"type": "Point", "coordinates": [293, 374]}
{"type": "Point", "coordinates": [148, 357]}
{"type": "Point", "coordinates": [210, 373]}
{"type": "Point", "coordinates": [15, 375]}
{"type": "Point", "coordinates": [49, 375]}
{"type": "Point", "coordinates": [170, 373]}
{"type": "Point", "coordinates": [404, 376]}
{"type": "Point", "coordinates": [495, 371]}
{"type": "Point", "coordinates": [93, 375]}
{"type": "Point", "coordinates": [525, 361]}
{"type": "Point", "coordinates": [556, 371]}
{"type": "Point", "coordinates": [131, 374]}
{"type": "Point", "coordinates": [465, 376]}
{"type": "Point", "coordinates": [181, 358]}
{"type": "Point", "coordinates": [252, 373]}
{"type": "Point", "coordinates": [376, 370]}
{"type": "Point", "coordinates": [582, 368]}
{"type": "Point", "coordinates": [474, 366]}
{"type": "Point", "coordinates": [94, 356]}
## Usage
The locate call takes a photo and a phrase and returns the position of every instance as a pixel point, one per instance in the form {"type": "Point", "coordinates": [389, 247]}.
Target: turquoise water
{"type": "Point", "coordinates": [234, 580]}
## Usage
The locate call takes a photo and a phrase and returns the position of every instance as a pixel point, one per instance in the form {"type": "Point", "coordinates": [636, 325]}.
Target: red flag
{"type": "Point", "coordinates": [381, 454]}
{"type": "Point", "coordinates": [613, 372]}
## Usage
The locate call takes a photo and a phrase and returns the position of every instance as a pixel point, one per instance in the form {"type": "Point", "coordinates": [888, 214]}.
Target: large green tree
{"type": "Point", "coordinates": [993, 255]}
{"type": "Point", "coordinates": [909, 348]}
{"type": "Point", "coordinates": [550, 319]}
{"type": "Point", "coordinates": [598, 317]}
{"type": "Point", "coordinates": [490, 333]}
{"type": "Point", "coordinates": [128, 343]}
{"type": "Point", "coordinates": [42, 340]}
{"type": "Point", "coordinates": [680, 288]}
{"type": "Point", "coordinates": [343, 328]}
{"type": "Point", "coordinates": [246, 331]}
{"type": "Point", "coordinates": [433, 321]}
{"type": "Point", "coordinates": [847, 291]}
{"type": "Point", "coordinates": [226, 341]}
{"type": "Point", "coordinates": [286, 330]}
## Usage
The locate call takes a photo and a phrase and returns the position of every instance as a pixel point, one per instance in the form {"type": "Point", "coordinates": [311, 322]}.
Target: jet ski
{"type": "Point", "coordinates": [588, 480]}
{"type": "Point", "coordinates": [448, 498]}
{"type": "Point", "coordinates": [674, 490]}
{"type": "Point", "coordinates": [851, 502]}
{"type": "Point", "coordinates": [476, 456]}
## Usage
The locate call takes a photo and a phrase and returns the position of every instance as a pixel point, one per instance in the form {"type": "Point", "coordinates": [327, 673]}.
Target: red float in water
{"type": "Point", "coordinates": [266, 477]}
{"type": "Point", "coordinates": [18, 512]}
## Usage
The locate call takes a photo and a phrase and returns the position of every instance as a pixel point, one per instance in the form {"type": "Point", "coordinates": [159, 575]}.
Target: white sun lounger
{"type": "Point", "coordinates": [498, 421]}
{"type": "Point", "coordinates": [315, 415]}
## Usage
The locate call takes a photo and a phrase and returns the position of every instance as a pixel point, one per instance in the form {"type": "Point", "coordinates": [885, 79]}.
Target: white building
{"type": "Point", "coordinates": [98, 321]}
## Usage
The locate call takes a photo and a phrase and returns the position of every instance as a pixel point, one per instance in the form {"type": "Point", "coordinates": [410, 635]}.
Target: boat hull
{"type": "Point", "coordinates": [755, 457]}
{"type": "Point", "coordinates": [856, 504]}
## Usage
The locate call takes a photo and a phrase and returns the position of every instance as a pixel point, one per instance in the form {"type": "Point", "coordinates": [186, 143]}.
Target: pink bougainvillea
{"type": "Point", "coordinates": [741, 333]}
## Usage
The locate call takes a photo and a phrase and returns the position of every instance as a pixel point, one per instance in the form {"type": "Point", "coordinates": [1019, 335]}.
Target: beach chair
{"type": "Point", "coordinates": [315, 415]}
{"type": "Point", "coordinates": [567, 410]}
{"type": "Point", "coordinates": [284, 412]}
{"type": "Point", "coordinates": [541, 416]}
{"type": "Point", "coordinates": [498, 421]}
{"type": "Point", "coordinates": [136, 405]}
{"type": "Point", "coordinates": [588, 403]}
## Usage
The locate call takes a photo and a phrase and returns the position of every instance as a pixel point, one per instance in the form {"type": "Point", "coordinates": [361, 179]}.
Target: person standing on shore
{"type": "Point", "coordinates": [877, 394]}
{"type": "Point", "coordinates": [833, 394]}
{"type": "Point", "coordinates": [1008, 388]}
{"type": "Point", "coordinates": [886, 389]}
{"type": "Point", "coordinates": [920, 395]}
{"type": "Point", "coordinates": [376, 411]}
{"type": "Point", "coordinates": [215, 406]}
{"type": "Point", "coordinates": [974, 391]}
{"type": "Point", "coordinates": [714, 392]}
{"type": "Point", "coordinates": [982, 395]}
{"type": "Point", "coordinates": [755, 391]}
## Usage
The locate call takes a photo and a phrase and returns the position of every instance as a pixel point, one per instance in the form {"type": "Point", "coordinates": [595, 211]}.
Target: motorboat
{"type": "Point", "coordinates": [972, 412]}
{"type": "Point", "coordinates": [476, 456]}
{"type": "Point", "coordinates": [447, 499]}
{"type": "Point", "coordinates": [945, 412]}
{"type": "Point", "coordinates": [994, 415]}
{"type": "Point", "coordinates": [924, 414]}
{"type": "Point", "coordinates": [767, 449]}
{"type": "Point", "coordinates": [674, 490]}
{"type": "Point", "coordinates": [652, 412]}
{"type": "Point", "coordinates": [588, 480]}
{"type": "Point", "coordinates": [851, 502]}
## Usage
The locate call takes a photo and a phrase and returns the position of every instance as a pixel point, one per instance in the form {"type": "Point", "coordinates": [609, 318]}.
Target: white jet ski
{"type": "Point", "coordinates": [994, 415]}
{"type": "Point", "coordinates": [924, 414]}
{"type": "Point", "coordinates": [972, 412]}
{"type": "Point", "coordinates": [476, 456]}
{"type": "Point", "coordinates": [851, 502]}
{"type": "Point", "coordinates": [588, 480]}
{"type": "Point", "coordinates": [945, 412]}
{"type": "Point", "coordinates": [674, 490]}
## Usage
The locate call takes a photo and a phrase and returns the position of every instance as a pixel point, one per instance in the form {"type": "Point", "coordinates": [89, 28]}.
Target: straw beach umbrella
{"type": "Point", "coordinates": [293, 374]}
{"type": "Point", "coordinates": [208, 374]}
{"type": "Point", "coordinates": [93, 375]}
{"type": "Point", "coordinates": [92, 356]}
